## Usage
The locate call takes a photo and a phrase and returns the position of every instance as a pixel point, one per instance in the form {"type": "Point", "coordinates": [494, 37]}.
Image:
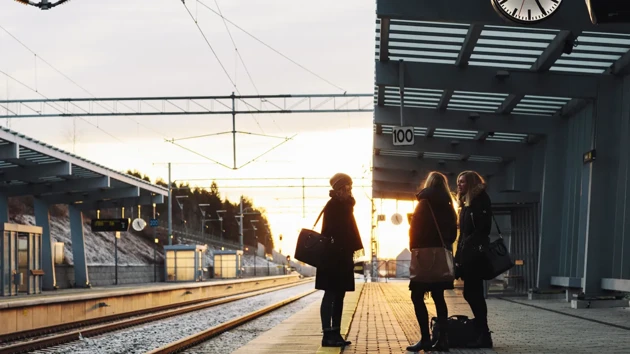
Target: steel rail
{"type": "Point", "coordinates": [191, 341]}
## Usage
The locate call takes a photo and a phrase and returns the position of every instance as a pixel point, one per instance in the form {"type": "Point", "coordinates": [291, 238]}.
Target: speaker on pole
{"type": "Point", "coordinates": [608, 11]}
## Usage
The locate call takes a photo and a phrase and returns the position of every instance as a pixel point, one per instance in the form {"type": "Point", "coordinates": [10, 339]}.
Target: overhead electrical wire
{"type": "Point", "coordinates": [217, 58]}
{"type": "Point", "coordinates": [40, 58]}
{"type": "Point", "coordinates": [270, 47]}
{"type": "Point", "coordinates": [227, 28]}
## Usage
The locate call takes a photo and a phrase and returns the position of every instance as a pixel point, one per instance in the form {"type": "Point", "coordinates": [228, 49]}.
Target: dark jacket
{"type": "Point", "coordinates": [475, 223]}
{"type": "Point", "coordinates": [340, 224]}
{"type": "Point", "coordinates": [423, 232]}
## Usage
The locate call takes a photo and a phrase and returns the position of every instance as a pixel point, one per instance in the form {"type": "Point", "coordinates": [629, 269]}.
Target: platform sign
{"type": "Point", "coordinates": [110, 225]}
{"type": "Point", "coordinates": [403, 136]}
{"type": "Point", "coordinates": [153, 222]}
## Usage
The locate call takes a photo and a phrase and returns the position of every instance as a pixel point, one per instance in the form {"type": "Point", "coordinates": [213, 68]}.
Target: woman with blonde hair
{"type": "Point", "coordinates": [433, 224]}
{"type": "Point", "coordinates": [475, 222]}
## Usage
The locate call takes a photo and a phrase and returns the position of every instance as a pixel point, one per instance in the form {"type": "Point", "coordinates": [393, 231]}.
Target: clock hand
{"type": "Point", "coordinates": [542, 9]}
{"type": "Point", "coordinates": [522, 4]}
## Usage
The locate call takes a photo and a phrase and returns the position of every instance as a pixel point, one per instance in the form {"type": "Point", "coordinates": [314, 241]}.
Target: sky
{"type": "Point", "coordinates": [119, 48]}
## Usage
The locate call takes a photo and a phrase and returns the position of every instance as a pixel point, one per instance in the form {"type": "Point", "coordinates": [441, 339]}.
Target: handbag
{"type": "Point", "coordinates": [492, 260]}
{"type": "Point", "coordinates": [432, 264]}
{"type": "Point", "coordinates": [312, 246]}
{"type": "Point", "coordinates": [498, 259]}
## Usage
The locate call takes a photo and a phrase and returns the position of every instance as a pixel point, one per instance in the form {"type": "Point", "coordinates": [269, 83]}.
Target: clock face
{"type": "Point", "coordinates": [526, 11]}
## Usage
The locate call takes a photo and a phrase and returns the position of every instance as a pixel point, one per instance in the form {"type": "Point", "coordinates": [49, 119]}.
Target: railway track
{"type": "Point", "coordinates": [30, 343]}
{"type": "Point", "coordinates": [197, 338]}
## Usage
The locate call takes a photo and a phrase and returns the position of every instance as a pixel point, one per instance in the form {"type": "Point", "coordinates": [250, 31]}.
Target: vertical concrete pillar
{"type": "Point", "coordinates": [551, 207]}
{"type": "Point", "coordinates": [602, 196]}
{"type": "Point", "coordinates": [42, 218]}
{"type": "Point", "coordinates": [78, 247]}
{"type": "Point", "coordinates": [4, 208]}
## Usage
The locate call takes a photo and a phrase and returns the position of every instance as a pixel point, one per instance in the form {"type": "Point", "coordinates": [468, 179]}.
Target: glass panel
{"type": "Point", "coordinates": [22, 248]}
{"type": "Point", "coordinates": [185, 265]}
{"type": "Point", "coordinates": [170, 266]}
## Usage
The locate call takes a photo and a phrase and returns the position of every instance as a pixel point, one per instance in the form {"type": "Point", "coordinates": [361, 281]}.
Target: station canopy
{"type": "Point", "coordinates": [478, 90]}
{"type": "Point", "coordinates": [31, 167]}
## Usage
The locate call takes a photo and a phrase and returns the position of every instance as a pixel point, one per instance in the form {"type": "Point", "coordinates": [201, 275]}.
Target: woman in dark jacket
{"type": "Point", "coordinates": [337, 276]}
{"type": "Point", "coordinates": [424, 233]}
{"type": "Point", "coordinates": [475, 222]}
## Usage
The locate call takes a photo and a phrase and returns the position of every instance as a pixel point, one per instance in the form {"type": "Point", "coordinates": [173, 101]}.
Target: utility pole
{"type": "Point", "coordinates": [170, 207]}
{"type": "Point", "coordinates": [240, 225]}
{"type": "Point", "coordinates": [234, 141]}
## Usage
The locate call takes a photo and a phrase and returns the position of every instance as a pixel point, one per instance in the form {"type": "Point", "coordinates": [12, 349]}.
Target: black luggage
{"type": "Point", "coordinates": [461, 330]}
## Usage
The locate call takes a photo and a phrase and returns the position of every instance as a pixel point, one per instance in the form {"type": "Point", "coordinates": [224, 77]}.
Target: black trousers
{"type": "Point", "coordinates": [473, 293]}
{"type": "Point", "coordinates": [422, 314]}
{"type": "Point", "coordinates": [332, 308]}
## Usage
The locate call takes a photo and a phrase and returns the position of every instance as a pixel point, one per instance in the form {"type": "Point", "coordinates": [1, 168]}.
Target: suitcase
{"type": "Point", "coordinates": [461, 330]}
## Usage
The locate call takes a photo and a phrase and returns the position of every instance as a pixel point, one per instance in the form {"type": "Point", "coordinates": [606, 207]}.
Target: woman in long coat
{"type": "Point", "coordinates": [337, 276]}
{"type": "Point", "coordinates": [475, 223]}
{"type": "Point", "coordinates": [424, 233]}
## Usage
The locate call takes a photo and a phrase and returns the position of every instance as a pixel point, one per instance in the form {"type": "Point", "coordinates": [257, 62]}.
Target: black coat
{"type": "Point", "coordinates": [423, 232]}
{"type": "Point", "coordinates": [339, 223]}
{"type": "Point", "coordinates": [475, 223]}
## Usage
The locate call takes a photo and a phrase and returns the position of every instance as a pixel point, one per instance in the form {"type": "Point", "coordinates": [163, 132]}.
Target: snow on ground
{"type": "Point", "coordinates": [99, 246]}
{"type": "Point", "coordinates": [133, 249]}
{"type": "Point", "coordinates": [147, 337]}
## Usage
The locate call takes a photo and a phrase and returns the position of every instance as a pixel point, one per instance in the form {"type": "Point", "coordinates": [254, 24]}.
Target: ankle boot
{"type": "Point", "coordinates": [330, 339]}
{"type": "Point", "coordinates": [440, 340]}
{"type": "Point", "coordinates": [337, 333]}
{"type": "Point", "coordinates": [483, 340]}
{"type": "Point", "coordinates": [423, 344]}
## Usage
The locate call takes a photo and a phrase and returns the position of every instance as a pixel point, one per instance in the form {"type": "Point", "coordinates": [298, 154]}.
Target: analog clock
{"type": "Point", "coordinates": [526, 11]}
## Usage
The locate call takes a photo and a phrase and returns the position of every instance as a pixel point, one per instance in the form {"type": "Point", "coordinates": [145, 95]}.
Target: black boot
{"type": "Point", "coordinates": [331, 340]}
{"type": "Point", "coordinates": [483, 340]}
{"type": "Point", "coordinates": [337, 334]}
{"type": "Point", "coordinates": [423, 344]}
{"type": "Point", "coordinates": [440, 340]}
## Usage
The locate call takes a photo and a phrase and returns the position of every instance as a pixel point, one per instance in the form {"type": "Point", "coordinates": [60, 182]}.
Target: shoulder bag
{"type": "Point", "coordinates": [432, 264]}
{"type": "Point", "coordinates": [312, 246]}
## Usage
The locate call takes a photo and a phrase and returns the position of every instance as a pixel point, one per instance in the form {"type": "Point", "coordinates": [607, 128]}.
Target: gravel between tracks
{"type": "Point", "coordinates": [150, 336]}
{"type": "Point", "coordinates": [236, 338]}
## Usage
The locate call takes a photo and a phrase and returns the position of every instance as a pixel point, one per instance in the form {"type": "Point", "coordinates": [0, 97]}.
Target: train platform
{"type": "Point", "coordinates": [379, 318]}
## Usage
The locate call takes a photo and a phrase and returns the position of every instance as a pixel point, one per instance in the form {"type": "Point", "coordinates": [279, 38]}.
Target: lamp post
{"type": "Point", "coordinates": [181, 207]}
{"type": "Point", "coordinates": [239, 219]}
{"type": "Point", "coordinates": [155, 260]}
{"type": "Point", "coordinates": [203, 217]}
{"type": "Point", "coordinates": [256, 240]}
{"type": "Point", "coordinates": [219, 212]}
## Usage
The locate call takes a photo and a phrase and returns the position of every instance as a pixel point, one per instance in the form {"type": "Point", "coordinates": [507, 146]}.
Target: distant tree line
{"type": "Point", "coordinates": [192, 215]}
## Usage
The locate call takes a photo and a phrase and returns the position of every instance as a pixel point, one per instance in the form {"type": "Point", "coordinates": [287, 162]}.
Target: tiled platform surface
{"type": "Point", "coordinates": [302, 332]}
{"type": "Point", "coordinates": [384, 322]}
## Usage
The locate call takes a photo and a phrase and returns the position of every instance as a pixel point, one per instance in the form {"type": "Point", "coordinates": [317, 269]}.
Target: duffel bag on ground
{"type": "Point", "coordinates": [461, 330]}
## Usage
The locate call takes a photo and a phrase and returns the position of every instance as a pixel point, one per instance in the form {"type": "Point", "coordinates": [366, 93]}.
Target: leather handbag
{"type": "Point", "coordinates": [312, 246]}
{"type": "Point", "coordinates": [497, 257]}
{"type": "Point", "coordinates": [432, 264]}
{"type": "Point", "coordinates": [490, 260]}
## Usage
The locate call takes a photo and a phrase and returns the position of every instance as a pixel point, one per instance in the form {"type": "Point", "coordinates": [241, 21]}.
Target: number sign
{"type": "Point", "coordinates": [403, 136]}
{"type": "Point", "coordinates": [110, 225]}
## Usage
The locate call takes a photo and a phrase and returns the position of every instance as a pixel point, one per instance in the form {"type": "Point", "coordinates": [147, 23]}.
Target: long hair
{"type": "Point", "coordinates": [473, 182]}
{"type": "Point", "coordinates": [439, 181]}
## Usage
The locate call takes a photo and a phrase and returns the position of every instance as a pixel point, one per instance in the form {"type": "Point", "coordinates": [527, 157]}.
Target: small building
{"type": "Point", "coordinates": [21, 261]}
{"type": "Point", "coordinates": [184, 263]}
{"type": "Point", "coordinates": [403, 260]}
{"type": "Point", "coordinates": [228, 264]}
